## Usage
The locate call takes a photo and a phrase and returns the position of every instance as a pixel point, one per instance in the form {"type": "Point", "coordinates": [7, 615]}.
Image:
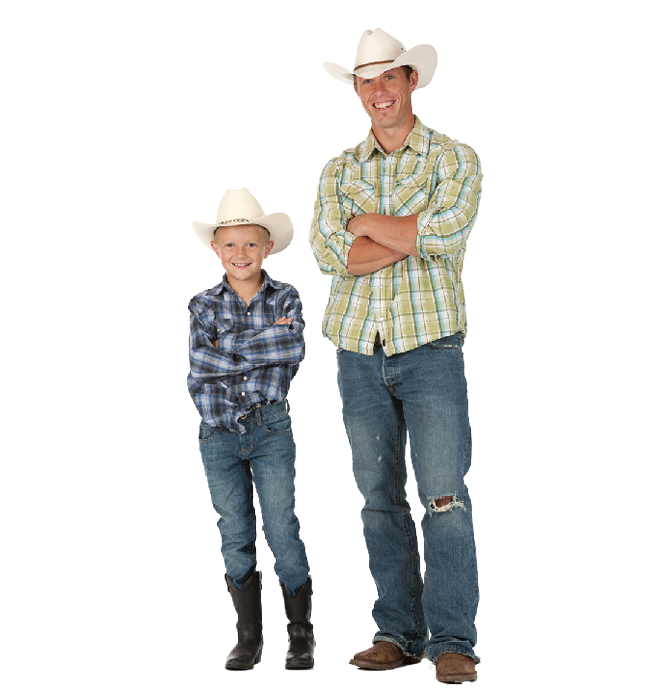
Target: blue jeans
{"type": "Point", "coordinates": [265, 454]}
{"type": "Point", "coordinates": [423, 393]}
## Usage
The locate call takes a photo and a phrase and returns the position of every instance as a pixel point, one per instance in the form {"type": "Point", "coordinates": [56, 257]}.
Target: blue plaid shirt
{"type": "Point", "coordinates": [254, 361]}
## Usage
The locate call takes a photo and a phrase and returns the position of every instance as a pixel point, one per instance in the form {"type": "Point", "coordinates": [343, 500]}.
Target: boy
{"type": "Point", "coordinates": [246, 342]}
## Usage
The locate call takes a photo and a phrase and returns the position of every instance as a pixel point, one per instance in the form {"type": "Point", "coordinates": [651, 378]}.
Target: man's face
{"type": "Point", "coordinates": [242, 250]}
{"type": "Point", "coordinates": [386, 98]}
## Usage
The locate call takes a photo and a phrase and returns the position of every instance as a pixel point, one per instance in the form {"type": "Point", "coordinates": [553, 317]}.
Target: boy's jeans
{"type": "Point", "coordinates": [423, 390]}
{"type": "Point", "coordinates": [265, 454]}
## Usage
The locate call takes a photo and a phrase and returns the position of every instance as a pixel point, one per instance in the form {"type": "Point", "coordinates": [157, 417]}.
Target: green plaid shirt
{"type": "Point", "coordinates": [416, 300]}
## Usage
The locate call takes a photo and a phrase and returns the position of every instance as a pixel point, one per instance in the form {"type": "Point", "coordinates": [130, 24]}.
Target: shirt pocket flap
{"type": "Point", "coordinates": [359, 197]}
{"type": "Point", "coordinates": [410, 195]}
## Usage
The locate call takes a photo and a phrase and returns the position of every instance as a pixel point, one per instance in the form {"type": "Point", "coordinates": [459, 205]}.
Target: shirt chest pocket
{"type": "Point", "coordinates": [358, 197]}
{"type": "Point", "coordinates": [410, 195]}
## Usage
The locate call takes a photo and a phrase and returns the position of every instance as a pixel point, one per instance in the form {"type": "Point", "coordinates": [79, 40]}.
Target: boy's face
{"type": "Point", "coordinates": [242, 250]}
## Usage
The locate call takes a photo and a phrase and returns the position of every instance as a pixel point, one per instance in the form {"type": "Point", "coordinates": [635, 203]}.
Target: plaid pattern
{"type": "Point", "coordinates": [416, 300]}
{"type": "Point", "coordinates": [254, 361]}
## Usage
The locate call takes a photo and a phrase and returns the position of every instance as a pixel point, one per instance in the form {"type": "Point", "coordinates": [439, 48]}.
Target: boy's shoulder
{"type": "Point", "coordinates": [206, 297]}
{"type": "Point", "coordinates": [283, 286]}
{"type": "Point", "coordinates": [209, 298]}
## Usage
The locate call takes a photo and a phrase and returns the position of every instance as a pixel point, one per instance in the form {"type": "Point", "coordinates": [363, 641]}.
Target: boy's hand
{"type": "Point", "coordinates": [284, 321]}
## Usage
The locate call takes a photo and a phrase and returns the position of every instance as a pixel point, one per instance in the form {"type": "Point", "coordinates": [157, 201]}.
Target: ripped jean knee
{"type": "Point", "coordinates": [443, 504]}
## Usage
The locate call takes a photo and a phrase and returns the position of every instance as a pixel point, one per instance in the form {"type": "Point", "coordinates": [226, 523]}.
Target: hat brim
{"type": "Point", "coordinates": [279, 227]}
{"type": "Point", "coordinates": [422, 58]}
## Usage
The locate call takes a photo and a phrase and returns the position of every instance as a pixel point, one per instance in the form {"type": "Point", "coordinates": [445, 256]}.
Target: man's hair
{"type": "Point", "coordinates": [406, 69]}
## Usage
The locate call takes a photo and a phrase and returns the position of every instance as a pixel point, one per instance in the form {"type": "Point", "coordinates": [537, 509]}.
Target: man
{"type": "Point", "coordinates": [391, 223]}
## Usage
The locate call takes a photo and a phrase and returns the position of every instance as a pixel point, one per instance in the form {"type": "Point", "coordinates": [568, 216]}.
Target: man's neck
{"type": "Point", "coordinates": [391, 140]}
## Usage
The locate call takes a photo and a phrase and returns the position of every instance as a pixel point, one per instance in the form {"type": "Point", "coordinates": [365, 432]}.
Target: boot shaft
{"type": "Point", "coordinates": [247, 600]}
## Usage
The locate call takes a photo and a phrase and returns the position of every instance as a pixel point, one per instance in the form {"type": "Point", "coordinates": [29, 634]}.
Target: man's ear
{"type": "Point", "coordinates": [414, 79]}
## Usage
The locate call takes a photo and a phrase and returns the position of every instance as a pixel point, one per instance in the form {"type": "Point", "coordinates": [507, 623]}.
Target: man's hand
{"type": "Point", "coordinates": [359, 225]}
{"type": "Point", "coordinates": [284, 321]}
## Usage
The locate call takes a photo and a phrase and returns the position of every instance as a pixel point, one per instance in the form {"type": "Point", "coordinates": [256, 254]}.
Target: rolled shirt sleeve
{"type": "Point", "coordinates": [330, 241]}
{"type": "Point", "coordinates": [444, 227]}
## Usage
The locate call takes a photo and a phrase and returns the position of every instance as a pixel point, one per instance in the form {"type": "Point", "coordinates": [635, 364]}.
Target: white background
{"type": "Point", "coordinates": [125, 121]}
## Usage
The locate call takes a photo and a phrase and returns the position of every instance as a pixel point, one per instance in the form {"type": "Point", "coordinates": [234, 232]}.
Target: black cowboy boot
{"type": "Point", "coordinates": [247, 602]}
{"type": "Point", "coordinates": [301, 635]}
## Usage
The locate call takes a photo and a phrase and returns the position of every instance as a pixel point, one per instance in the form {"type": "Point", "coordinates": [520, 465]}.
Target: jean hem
{"type": "Point", "coordinates": [455, 649]}
{"type": "Point", "coordinates": [391, 640]}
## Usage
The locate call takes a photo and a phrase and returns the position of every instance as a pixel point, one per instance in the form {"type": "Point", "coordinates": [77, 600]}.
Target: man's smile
{"type": "Point", "coordinates": [383, 105]}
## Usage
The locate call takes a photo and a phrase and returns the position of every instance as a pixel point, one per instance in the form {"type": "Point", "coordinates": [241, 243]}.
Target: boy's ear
{"type": "Point", "coordinates": [269, 247]}
{"type": "Point", "coordinates": [216, 250]}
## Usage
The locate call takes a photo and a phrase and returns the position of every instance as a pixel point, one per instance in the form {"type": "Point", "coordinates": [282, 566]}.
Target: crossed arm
{"type": "Point", "coordinates": [370, 242]}
{"type": "Point", "coordinates": [381, 240]}
{"type": "Point", "coordinates": [281, 343]}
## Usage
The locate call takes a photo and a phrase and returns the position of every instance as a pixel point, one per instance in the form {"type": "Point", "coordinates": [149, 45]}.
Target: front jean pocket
{"type": "Point", "coordinates": [277, 423]}
{"type": "Point", "coordinates": [207, 432]}
{"type": "Point", "coordinates": [450, 342]}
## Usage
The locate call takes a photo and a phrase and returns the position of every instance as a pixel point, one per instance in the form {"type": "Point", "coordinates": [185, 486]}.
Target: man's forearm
{"type": "Point", "coordinates": [367, 256]}
{"type": "Point", "coordinates": [395, 232]}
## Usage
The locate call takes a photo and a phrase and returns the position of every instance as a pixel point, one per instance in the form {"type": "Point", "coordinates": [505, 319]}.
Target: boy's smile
{"type": "Point", "coordinates": [242, 250]}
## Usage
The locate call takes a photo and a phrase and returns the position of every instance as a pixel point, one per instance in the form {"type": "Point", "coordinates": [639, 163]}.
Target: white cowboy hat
{"type": "Point", "coordinates": [240, 208]}
{"type": "Point", "coordinates": [378, 52]}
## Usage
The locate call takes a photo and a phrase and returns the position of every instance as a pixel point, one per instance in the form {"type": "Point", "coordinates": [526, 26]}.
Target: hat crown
{"type": "Point", "coordinates": [377, 46]}
{"type": "Point", "coordinates": [238, 205]}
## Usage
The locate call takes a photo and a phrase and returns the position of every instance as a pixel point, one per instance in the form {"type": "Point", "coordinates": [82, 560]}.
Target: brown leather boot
{"type": "Point", "coordinates": [301, 632]}
{"type": "Point", "coordinates": [455, 668]}
{"type": "Point", "coordinates": [247, 602]}
{"type": "Point", "coordinates": [382, 656]}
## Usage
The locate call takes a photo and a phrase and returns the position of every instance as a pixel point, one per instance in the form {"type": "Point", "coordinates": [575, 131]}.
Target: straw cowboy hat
{"type": "Point", "coordinates": [240, 208]}
{"type": "Point", "coordinates": [378, 52]}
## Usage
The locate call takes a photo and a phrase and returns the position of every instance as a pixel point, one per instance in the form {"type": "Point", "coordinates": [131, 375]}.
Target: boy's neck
{"type": "Point", "coordinates": [246, 290]}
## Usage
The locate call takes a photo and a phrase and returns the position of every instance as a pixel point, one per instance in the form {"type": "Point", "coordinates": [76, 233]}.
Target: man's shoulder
{"type": "Point", "coordinates": [350, 158]}
{"type": "Point", "coordinates": [441, 143]}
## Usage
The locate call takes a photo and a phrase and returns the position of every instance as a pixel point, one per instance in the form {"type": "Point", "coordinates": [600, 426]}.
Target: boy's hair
{"type": "Point", "coordinates": [263, 228]}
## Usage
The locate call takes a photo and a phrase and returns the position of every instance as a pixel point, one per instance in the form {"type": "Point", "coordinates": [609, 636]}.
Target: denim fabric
{"type": "Point", "coordinates": [264, 453]}
{"type": "Point", "coordinates": [423, 393]}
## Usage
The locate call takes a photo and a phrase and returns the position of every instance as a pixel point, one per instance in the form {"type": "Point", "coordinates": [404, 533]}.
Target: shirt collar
{"type": "Point", "coordinates": [268, 282]}
{"type": "Point", "coordinates": [418, 140]}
